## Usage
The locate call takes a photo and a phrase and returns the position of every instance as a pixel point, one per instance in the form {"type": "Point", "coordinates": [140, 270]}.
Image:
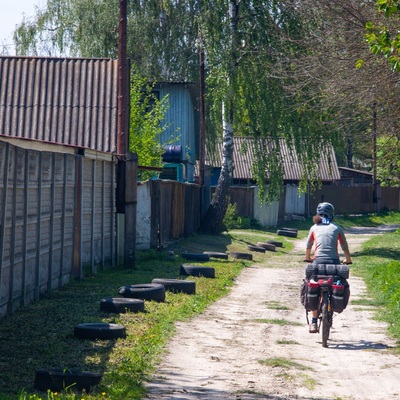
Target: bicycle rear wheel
{"type": "Point", "coordinates": [326, 324]}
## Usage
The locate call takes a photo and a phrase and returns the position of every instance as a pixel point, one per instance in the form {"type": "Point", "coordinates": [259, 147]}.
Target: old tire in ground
{"type": "Point", "coordinates": [215, 254]}
{"type": "Point", "coordinates": [290, 229]}
{"type": "Point", "coordinates": [196, 256]}
{"type": "Point", "coordinates": [144, 291]}
{"type": "Point", "coordinates": [99, 330]}
{"type": "Point", "coordinates": [283, 232]}
{"type": "Point", "coordinates": [58, 380]}
{"type": "Point", "coordinates": [241, 256]}
{"type": "Point", "coordinates": [195, 270]}
{"type": "Point", "coordinates": [267, 246]}
{"type": "Point", "coordinates": [121, 305]}
{"type": "Point", "coordinates": [275, 243]}
{"type": "Point", "coordinates": [177, 285]}
{"type": "Point", "coordinates": [256, 248]}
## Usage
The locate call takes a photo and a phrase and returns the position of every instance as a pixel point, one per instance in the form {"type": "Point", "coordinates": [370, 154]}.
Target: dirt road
{"type": "Point", "coordinates": [254, 344]}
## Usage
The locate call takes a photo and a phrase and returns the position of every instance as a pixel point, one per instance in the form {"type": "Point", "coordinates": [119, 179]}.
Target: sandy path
{"type": "Point", "coordinates": [225, 353]}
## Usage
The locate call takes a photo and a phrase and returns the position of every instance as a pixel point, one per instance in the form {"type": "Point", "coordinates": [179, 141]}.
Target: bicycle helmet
{"type": "Point", "coordinates": [326, 209]}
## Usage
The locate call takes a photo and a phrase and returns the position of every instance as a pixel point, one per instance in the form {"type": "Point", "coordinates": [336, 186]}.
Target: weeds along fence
{"type": "Point", "coordinates": [57, 216]}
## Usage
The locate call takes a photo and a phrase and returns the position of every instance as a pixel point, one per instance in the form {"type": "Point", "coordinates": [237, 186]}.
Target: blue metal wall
{"type": "Point", "coordinates": [182, 118]}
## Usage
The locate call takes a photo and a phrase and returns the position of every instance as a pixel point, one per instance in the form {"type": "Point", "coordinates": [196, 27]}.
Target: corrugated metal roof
{"type": "Point", "coordinates": [70, 101]}
{"type": "Point", "coordinates": [244, 156]}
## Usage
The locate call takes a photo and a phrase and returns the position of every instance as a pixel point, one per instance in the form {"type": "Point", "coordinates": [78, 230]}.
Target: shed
{"type": "Point", "coordinates": [183, 122]}
{"type": "Point", "coordinates": [244, 156]}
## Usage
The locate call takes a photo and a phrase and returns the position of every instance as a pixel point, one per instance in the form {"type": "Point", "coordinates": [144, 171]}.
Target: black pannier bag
{"type": "Point", "coordinates": [340, 294]}
{"type": "Point", "coordinates": [309, 295]}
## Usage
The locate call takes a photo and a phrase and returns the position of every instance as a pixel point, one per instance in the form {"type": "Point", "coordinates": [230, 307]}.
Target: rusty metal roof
{"type": "Point", "coordinates": [70, 101]}
{"type": "Point", "coordinates": [244, 156]}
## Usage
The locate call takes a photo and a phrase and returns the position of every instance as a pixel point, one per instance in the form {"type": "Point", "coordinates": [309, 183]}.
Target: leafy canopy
{"type": "Point", "coordinates": [384, 39]}
{"type": "Point", "coordinates": [147, 114]}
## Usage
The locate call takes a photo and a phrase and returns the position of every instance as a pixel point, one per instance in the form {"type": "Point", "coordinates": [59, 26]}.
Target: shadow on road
{"type": "Point", "coordinates": [360, 345]}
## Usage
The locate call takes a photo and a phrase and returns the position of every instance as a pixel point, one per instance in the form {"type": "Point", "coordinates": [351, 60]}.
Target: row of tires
{"type": "Point", "coordinates": [262, 247]}
{"type": "Point", "coordinates": [133, 300]}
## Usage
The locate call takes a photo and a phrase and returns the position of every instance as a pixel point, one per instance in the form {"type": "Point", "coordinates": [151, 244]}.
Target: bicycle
{"type": "Point", "coordinates": [326, 281]}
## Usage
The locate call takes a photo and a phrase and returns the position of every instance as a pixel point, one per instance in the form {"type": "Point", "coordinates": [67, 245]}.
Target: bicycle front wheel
{"type": "Point", "coordinates": [326, 326]}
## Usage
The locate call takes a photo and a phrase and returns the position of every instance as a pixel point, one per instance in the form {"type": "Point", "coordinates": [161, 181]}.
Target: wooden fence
{"type": "Point", "coordinates": [347, 200]}
{"type": "Point", "coordinates": [167, 210]}
{"type": "Point", "coordinates": [57, 216]}
{"type": "Point", "coordinates": [355, 199]}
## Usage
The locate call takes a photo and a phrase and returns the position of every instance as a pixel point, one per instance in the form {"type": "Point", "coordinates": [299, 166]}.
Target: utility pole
{"type": "Point", "coordinates": [202, 114]}
{"type": "Point", "coordinates": [127, 162]}
{"type": "Point", "coordinates": [123, 82]}
{"type": "Point", "coordinates": [375, 184]}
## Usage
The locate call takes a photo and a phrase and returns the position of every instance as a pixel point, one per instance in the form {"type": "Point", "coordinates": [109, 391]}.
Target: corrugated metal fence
{"type": "Point", "coordinates": [57, 215]}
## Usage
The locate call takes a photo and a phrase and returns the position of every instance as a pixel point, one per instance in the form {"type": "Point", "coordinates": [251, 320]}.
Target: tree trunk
{"type": "Point", "coordinates": [212, 222]}
{"type": "Point", "coordinates": [350, 152]}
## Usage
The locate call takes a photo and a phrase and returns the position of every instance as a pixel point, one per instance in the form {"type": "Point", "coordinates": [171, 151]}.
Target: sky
{"type": "Point", "coordinates": [11, 14]}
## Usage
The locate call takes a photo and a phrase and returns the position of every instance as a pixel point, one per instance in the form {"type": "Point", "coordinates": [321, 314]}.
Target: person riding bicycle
{"type": "Point", "coordinates": [325, 236]}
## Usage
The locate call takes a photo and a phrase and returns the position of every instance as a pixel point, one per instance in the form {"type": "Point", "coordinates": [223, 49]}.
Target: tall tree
{"type": "Point", "coordinates": [344, 94]}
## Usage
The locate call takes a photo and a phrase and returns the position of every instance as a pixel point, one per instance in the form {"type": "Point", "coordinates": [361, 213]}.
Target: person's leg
{"type": "Point", "coordinates": [313, 328]}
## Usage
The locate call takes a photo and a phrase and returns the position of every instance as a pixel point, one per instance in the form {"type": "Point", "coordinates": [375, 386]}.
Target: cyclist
{"type": "Point", "coordinates": [325, 236]}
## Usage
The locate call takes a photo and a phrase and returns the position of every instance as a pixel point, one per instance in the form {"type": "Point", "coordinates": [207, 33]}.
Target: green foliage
{"type": "Point", "coordinates": [388, 160]}
{"type": "Point", "coordinates": [70, 28]}
{"type": "Point", "coordinates": [146, 117]}
{"type": "Point", "coordinates": [233, 221]}
{"type": "Point", "coordinates": [382, 39]}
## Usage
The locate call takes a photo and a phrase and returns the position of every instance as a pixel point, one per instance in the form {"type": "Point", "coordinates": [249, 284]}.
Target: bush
{"type": "Point", "coordinates": [233, 221]}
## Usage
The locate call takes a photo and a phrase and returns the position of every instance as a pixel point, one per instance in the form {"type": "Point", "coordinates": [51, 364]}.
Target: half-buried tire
{"type": "Point", "coordinates": [215, 254]}
{"type": "Point", "coordinates": [241, 256]}
{"type": "Point", "coordinates": [177, 285]}
{"type": "Point", "coordinates": [121, 305]}
{"type": "Point", "coordinates": [57, 380]}
{"type": "Point", "coordinates": [267, 246]}
{"type": "Point", "coordinates": [99, 330]}
{"type": "Point", "coordinates": [145, 291]}
{"type": "Point", "coordinates": [196, 256]}
{"type": "Point", "coordinates": [195, 270]}
{"type": "Point", "coordinates": [275, 243]}
{"type": "Point", "coordinates": [256, 248]}
{"type": "Point", "coordinates": [284, 232]}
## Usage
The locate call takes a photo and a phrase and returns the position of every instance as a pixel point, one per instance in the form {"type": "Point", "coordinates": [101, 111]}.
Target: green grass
{"type": "Point", "coordinates": [379, 264]}
{"type": "Point", "coordinates": [287, 342]}
{"type": "Point", "coordinates": [40, 335]}
{"type": "Point", "coordinates": [274, 305]}
{"type": "Point", "coordinates": [280, 362]}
